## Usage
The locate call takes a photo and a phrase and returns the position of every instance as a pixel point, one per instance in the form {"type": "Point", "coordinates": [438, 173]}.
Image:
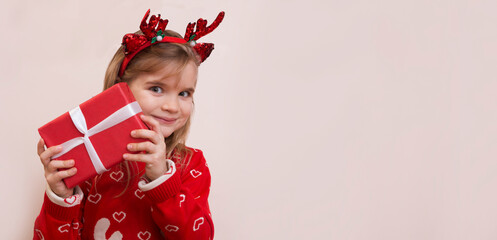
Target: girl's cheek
{"type": "Point", "coordinates": [187, 106]}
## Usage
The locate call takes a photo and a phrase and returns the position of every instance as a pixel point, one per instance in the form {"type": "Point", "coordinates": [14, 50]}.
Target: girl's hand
{"type": "Point", "coordinates": [155, 149]}
{"type": "Point", "coordinates": [52, 175]}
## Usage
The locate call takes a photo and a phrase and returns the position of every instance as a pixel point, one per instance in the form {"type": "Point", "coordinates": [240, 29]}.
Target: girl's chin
{"type": "Point", "coordinates": [166, 135]}
{"type": "Point", "coordinates": [166, 132]}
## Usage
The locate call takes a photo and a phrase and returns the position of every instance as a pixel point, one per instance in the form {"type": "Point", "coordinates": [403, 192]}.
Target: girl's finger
{"type": "Point", "coordinates": [152, 123]}
{"type": "Point", "coordinates": [139, 157]}
{"type": "Point", "coordinates": [143, 146]}
{"type": "Point", "coordinates": [41, 146]}
{"type": "Point", "coordinates": [47, 154]}
{"type": "Point", "coordinates": [58, 176]}
{"type": "Point", "coordinates": [41, 149]}
{"type": "Point", "coordinates": [145, 133]}
{"type": "Point", "coordinates": [54, 165]}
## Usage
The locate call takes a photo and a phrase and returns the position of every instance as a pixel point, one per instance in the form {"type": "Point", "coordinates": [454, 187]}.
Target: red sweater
{"type": "Point", "coordinates": [173, 206]}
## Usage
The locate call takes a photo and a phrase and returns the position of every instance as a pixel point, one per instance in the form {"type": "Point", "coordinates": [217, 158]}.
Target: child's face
{"type": "Point", "coordinates": [169, 99]}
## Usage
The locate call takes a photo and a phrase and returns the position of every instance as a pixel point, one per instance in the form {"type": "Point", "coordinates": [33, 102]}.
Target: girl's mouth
{"type": "Point", "coordinates": [165, 120]}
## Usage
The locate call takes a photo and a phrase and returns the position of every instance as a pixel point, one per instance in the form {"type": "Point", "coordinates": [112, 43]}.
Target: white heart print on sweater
{"type": "Point", "coordinates": [64, 228]}
{"type": "Point", "coordinates": [197, 223]}
{"type": "Point", "coordinates": [71, 200]}
{"type": "Point", "coordinates": [195, 173]}
{"type": "Point", "coordinates": [139, 193]}
{"type": "Point", "coordinates": [144, 235]}
{"type": "Point", "coordinates": [119, 216]}
{"type": "Point", "coordinates": [172, 228]}
{"type": "Point", "coordinates": [117, 176]}
{"type": "Point", "coordinates": [94, 198]}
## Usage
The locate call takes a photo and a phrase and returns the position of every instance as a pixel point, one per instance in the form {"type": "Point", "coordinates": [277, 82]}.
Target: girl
{"type": "Point", "coordinates": [160, 192]}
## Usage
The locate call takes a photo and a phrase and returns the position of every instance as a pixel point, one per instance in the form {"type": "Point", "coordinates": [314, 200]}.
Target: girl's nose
{"type": "Point", "coordinates": [170, 104]}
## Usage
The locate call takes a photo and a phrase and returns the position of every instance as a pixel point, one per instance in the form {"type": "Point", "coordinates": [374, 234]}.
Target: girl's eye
{"type": "Point", "coordinates": [156, 89]}
{"type": "Point", "coordinates": [184, 94]}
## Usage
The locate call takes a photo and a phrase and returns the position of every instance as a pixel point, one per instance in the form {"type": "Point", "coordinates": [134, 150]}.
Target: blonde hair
{"type": "Point", "coordinates": [151, 60]}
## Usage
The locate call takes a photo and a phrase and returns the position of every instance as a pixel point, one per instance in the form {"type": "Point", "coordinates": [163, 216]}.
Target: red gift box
{"type": "Point", "coordinates": [96, 133]}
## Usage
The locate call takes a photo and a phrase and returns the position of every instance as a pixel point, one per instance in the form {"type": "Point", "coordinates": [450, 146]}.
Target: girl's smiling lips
{"type": "Point", "coordinates": [165, 120]}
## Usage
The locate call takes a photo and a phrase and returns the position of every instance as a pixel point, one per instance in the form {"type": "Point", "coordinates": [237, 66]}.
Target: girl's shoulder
{"type": "Point", "coordinates": [194, 151]}
{"type": "Point", "coordinates": [192, 158]}
{"type": "Point", "coordinates": [195, 154]}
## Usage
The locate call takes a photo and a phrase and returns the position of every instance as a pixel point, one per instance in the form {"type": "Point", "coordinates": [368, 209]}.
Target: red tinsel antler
{"type": "Point", "coordinates": [149, 29]}
{"type": "Point", "coordinates": [203, 49]}
{"type": "Point", "coordinates": [202, 28]}
{"type": "Point", "coordinates": [134, 43]}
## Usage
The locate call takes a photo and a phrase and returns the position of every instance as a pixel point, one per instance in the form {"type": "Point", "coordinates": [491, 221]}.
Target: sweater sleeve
{"type": "Point", "coordinates": [59, 218]}
{"type": "Point", "coordinates": [179, 204]}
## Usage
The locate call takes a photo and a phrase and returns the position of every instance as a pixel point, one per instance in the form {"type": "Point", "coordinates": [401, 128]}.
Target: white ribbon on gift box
{"type": "Point", "coordinates": [80, 122]}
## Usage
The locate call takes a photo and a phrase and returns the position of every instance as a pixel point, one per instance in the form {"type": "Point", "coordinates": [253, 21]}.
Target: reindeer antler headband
{"type": "Point", "coordinates": [153, 33]}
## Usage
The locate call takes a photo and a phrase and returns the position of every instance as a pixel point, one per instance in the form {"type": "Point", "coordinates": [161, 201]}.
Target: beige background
{"type": "Point", "coordinates": [319, 119]}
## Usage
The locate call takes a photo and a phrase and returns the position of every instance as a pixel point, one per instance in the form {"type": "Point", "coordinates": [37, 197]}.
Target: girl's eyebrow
{"type": "Point", "coordinates": [154, 82]}
{"type": "Point", "coordinates": [192, 90]}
